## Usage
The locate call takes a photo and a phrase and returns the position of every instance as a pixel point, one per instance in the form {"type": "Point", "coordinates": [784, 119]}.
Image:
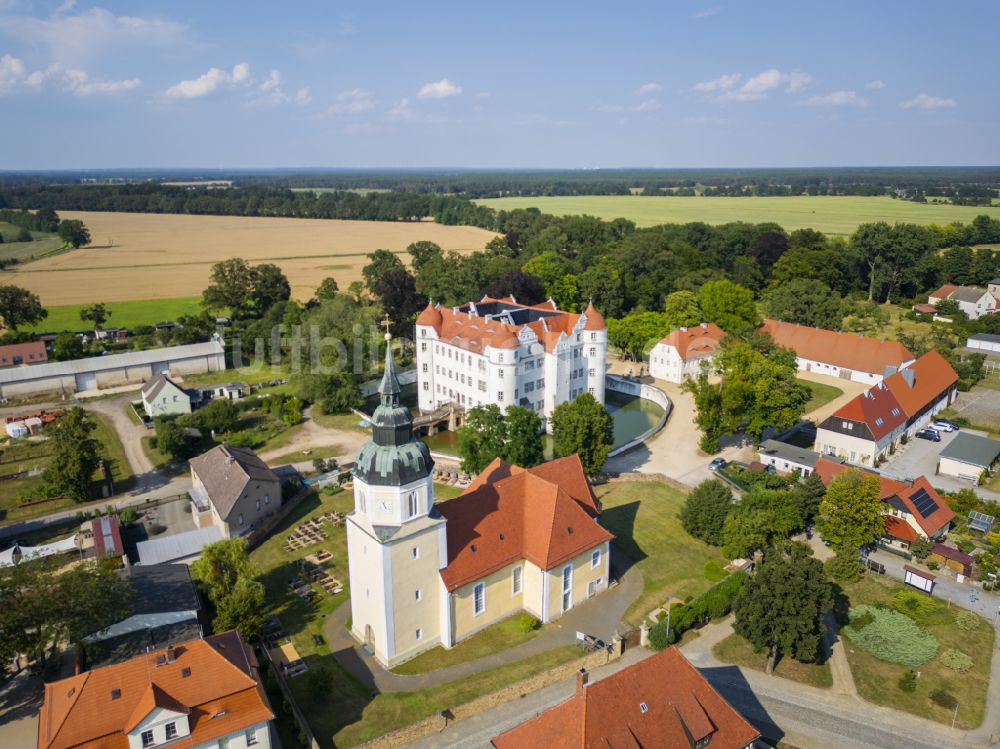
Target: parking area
{"type": "Point", "coordinates": [920, 458]}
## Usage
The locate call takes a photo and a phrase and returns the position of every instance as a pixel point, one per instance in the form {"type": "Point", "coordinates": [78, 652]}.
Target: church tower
{"type": "Point", "coordinates": [396, 540]}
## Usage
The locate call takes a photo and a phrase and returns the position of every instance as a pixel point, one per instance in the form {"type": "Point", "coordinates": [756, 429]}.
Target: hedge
{"type": "Point", "coordinates": [890, 636]}
{"type": "Point", "coordinates": [714, 603]}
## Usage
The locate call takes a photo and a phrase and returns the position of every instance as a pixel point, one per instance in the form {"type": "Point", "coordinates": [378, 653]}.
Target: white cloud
{"type": "Point", "coordinates": [837, 99]}
{"type": "Point", "coordinates": [648, 88]}
{"type": "Point", "coordinates": [66, 6]}
{"type": "Point", "coordinates": [13, 75]}
{"type": "Point", "coordinates": [354, 102]}
{"type": "Point", "coordinates": [722, 83]}
{"type": "Point", "coordinates": [442, 89]}
{"type": "Point", "coordinates": [875, 85]}
{"type": "Point", "coordinates": [210, 82]}
{"type": "Point", "coordinates": [402, 111]}
{"type": "Point", "coordinates": [271, 93]}
{"type": "Point", "coordinates": [707, 13]}
{"type": "Point", "coordinates": [923, 101]}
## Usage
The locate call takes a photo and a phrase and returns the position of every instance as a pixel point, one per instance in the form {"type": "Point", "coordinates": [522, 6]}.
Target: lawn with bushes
{"type": "Point", "coordinates": [737, 650]}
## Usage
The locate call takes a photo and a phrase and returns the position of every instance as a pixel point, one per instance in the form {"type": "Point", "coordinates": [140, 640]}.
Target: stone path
{"type": "Point", "coordinates": [840, 669]}
{"type": "Point", "coordinates": [600, 616]}
{"type": "Point", "coordinates": [310, 435]}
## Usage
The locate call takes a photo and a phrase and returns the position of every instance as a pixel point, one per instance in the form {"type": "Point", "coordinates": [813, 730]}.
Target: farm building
{"type": "Point", "coordinates": [787, 458]}
{"type": "Point", "coordinates": [985, 342]}
{"type": "Point", "coordinates": [22, 354]}
{"type": "Point", "coordinates": [973, 301]}
{"type": "Point", "coordinates": [967, 456]}
{"type": "Point", "coordinates": [99, 372]}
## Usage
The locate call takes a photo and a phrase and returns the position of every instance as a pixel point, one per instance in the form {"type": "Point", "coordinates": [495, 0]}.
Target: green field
{"type": "Point", "coordinates": [25, 251]}
{"type": "Point", "coordinates": [832, 215]}
{"type": "Point", "coordinates": [123, 314]}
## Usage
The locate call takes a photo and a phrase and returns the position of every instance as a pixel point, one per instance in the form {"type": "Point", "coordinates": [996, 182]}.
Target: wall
{"type": "Point", "coordinates": [407, 576]}
{"type": "Point", "coordinates": [583, 574]}
{"type": "Point", "coordinates": [255, 492]}
{"type": "Point", "coordinates": [500, 602]}
{"type": "Point", "coordinates": [949, 467]}
{"type": "Point", "coordinates": [845, 446]}
{"type": "Point", "coordinates": [647, 392]}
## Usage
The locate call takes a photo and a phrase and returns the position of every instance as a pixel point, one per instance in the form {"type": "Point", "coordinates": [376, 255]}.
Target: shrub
{"type": "Point", "coordinates": [528, 623]}
{"type": "Point", "coordinates": [714, 603]}
{"type": "Point", "coordinates": [661, 616]}
{"type": "Point", "coordinates": [713, 571]}
{"type": "Point", "coordinates": [891, 636]}
{"type": "Point", "coordinates": [967, 621]}
{"type": "Point", "coordinates": [127, 516]}
{"type": "Point", "coordinates": [932, 565]}
{"type": "Point", "coordinates": [920, 607]}
{"type": "Point", "coordinates": [965, 545]}
{"type": "Point", "coordinates": [956, 660]}
{"type": "Point", "coordinates": [908, 681]}
{"type": "Point", "coordinates": [920, 548]}
{"type": "Point", "coordinates": [845, 567]}
{"type": "Point", "coordinates": [944, 699]}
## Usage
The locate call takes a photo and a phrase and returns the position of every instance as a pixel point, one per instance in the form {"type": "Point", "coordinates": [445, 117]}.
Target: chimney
{"type": "Point", "coordinates": [582, 677]}
{"type": "Point", "coordinates": [171, 658]}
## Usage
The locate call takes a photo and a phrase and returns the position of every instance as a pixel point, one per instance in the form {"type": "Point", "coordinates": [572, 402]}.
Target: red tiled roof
{"type": "Point", "coordinates": [944, 292]}
{"type": "Point", "coordinates": [221, 694]}
{"type": "Point", "coordinates": [32, 352]}
{"type": "Point", "coordinates": [899, 528]}
{"type": "Point", "coordinates": [932, 376]}
{"type": "Point", "coordinates": [431, 315]}
{"type": "Point", "coordinates": [542, 515]}
{"type": "Point", "coordinates": [695, 342]}
{"type": "Point", "coordinates": [595, 321]}
{"type": "Point", "coordinates": [662, 701]}
{"type": "Point", "coordinates": [877, 408]}
{"type": "Point", "coordinates": [927, 309]}
{"type": "Point", "coordinates": [889, 488]}
{"type": "Point", "coordinates": [844, 350]}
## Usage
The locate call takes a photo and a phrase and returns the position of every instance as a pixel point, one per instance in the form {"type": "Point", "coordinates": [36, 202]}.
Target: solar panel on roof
{"type": "Point", "coordinates": [924, 503]}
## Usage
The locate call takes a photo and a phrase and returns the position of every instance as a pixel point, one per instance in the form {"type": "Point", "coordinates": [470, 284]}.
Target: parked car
{"type": "Point", "coordinates": [716, 464]}
{"type": "Point", "coordinates": [950, 423]}
{"type": "Point", "coordinates": [943, 426]}
{"type": "Point", "coordinates": [928, 434]}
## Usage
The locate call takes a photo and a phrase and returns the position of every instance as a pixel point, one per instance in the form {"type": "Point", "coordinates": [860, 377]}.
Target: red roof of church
{"type": "Point", "coordinates": [661, 701]}
{"type": "Point", "coordinates": [546, 515]}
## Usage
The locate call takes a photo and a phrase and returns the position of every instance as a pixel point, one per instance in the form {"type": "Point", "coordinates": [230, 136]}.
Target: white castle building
{"type": "Point", "coordinates": [501, 352]}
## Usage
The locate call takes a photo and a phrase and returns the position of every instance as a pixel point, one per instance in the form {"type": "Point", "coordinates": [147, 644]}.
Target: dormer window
{"type": "Point", "coordinates": [643, 707]}
{"type": "Point", "coordinates": [171, 731]}
{"type": "Point", "coordinates": [147, 739]}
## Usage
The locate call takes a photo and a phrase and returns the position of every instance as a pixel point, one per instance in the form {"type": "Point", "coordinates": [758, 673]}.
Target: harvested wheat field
{"type": "Point", "coordinates": [157, 256]}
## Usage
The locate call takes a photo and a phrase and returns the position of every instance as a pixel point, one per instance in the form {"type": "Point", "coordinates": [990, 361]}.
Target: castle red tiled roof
{"type": "Point", "coordinates": [695, 342]}
{"type": "Point", "coordinates": [931, 376]}
{"type": "Point", "coordinates": [844, 350]}
{"type": "Point", "coordinates": [542, 515]}
{"type": "Point", "coordinates": [430, 315]}
{"type": "Point", "coordinates": [595, 321]}
{"type": "Point", "coordinates": [662, 701]}
{"type": "Point", "coordinates": [213, 680]}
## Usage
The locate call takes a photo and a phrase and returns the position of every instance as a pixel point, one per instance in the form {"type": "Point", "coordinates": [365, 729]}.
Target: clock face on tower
{"type": "Point", "coordinates": [385, 506]}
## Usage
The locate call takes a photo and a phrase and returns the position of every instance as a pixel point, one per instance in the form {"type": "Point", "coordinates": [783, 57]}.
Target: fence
{"type": "Point", "coordinates": [898, 552]}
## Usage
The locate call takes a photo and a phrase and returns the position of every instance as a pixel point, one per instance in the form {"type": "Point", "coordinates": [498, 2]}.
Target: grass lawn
{"type": "Point", "coordinates": [821, 394]}
{"type": "Point", "coordinates": [246, 375]}
{"type": "Point", "coordinates": [500, 636]}
{"type": "Point", "coordinates": [877, 680]}
{"type": "Point", "coordinates": [643, 517]}
{"type": "Point", "coordinates": [734, 649]}
{"type": "Point", "coordinates": [123, 314]}
{"type": "Point", "coordinates": [113, 452]}
{"type": "Point", "coordinates": [301, 456]}
{"type": "Point", "coordinates": [830, 214]}
{"type": "Point", "coordinates": [23, 252]}
{"type": "Point", "coordinates": [446, 491]}
{"type": "Point", "coordinates": [339, 421]}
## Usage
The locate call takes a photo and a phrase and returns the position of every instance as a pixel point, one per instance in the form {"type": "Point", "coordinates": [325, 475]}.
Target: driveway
{"type": "Point", "coordinates": [20, 699]}
{"type": "Point", "coordinates": [920, 458]}
{"type": "Point", "coordinates": [130, 434]}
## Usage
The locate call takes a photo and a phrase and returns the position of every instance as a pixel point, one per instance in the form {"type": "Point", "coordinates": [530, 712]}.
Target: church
{"type": "Point", "coordinates": [425, 574]}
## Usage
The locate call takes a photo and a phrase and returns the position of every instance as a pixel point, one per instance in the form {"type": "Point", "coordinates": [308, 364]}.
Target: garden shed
{"type": "Point", "coordinates": [952, 559]}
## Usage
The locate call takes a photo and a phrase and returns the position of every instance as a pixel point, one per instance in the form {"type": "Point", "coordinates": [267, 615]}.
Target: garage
{"type": "Point", "coordinates": [86, 381]}
{"type": "Point", "coordinates": [967, 456]}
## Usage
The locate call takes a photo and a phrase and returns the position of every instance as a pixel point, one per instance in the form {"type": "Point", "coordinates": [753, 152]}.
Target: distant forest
{"type": "Point", "coordinates": [961, 185]}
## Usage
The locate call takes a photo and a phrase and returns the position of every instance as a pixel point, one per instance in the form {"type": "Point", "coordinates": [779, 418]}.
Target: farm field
{"type": "Point", "coordinates": [830, 214]}
{"type": "Point", "coordinates": [123, 314]}
{"type": "Point", "coordinates": [23, 251]}
{"type": "Point", "coordinates": [139, 256]}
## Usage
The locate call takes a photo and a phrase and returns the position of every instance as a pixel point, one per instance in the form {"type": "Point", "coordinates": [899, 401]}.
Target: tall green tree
{"type": "Point", "coordinates": [481, 437]}
{"type": "Point", "coordinates": [326, 290]}
{"type": "Point", "coordinates": [67, 346]}
{"type": "Point", "coordinates": [682, 309]}
{"type": "Point", "coordinates": [784, 605]}
{"type": "Point", "coordinates": [229, 578]}
{"type": "Point", "coordinates": [96, 313]}
{"type": "Point", "coordinates": [871, 242]}
{"type": "Point", "coordinates": [423, 252]}
{"type": "Point", "coordinates": [705, 511]}
{"type": "Point", "coordinates": [172, 440]}
{"type": "Point", "coordinates": [380, 262]}
{"type": "Point", "coordinates": [231, 287]}
{"type": "Point", "coordinates": [709, 416]}
{"type": "Point", "coordinates": [810, 492]}
{"type": "Point", "coordinates": [73, 231]}
{"type": "Point", "coordinates": [636, 334]}
{"type": "Point", "coordinates": [75, 455]}
{"type": "Point", "coordinates": [245, 609]}
{"type": "Point", "coordinates": [807, 302]}
{"type": "Point", "coordinates": [269, 286]}
{"type": "Point", "coordinates": [728, 305]}
{"type": "Point", "coordinates": [762, 518]}
{"type": "Point", "coordinates": [851, 514]}
{"type": "Point", "coordinates": [522, 437]}
{"type": "Point", "coordinates": [20, 307]}
{"type": "Point", "coordinates": [585, 428]}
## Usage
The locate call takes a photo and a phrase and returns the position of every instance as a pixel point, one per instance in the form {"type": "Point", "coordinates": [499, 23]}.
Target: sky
{"type": "Point", "coordinates": [551, 84]}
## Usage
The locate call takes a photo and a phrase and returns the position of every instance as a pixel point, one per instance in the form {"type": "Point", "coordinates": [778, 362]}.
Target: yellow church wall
{"type": "Point", "coordinates": [583, 575]}
{"type": "Point", "coordinates": [500, 602]}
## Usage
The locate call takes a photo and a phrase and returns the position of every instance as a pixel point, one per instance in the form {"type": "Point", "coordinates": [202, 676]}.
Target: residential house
{"type": "Point", "coordinates": [232, 489]}
{"type": "Point", "coordinates": [193, 695]}
{"type": "Point", "coordinates": [661, 701]}
{"type": "Point", "coordinates": [23, 354]}
{"type": "Point", "coordinates": [866, 428]}
{"type": "Point", "coordinates": [787, 458]}
{"type": "Point", "coordinates": [912, 508]}
{"type": "Point", "coordinates": [974, 302]}
{"type": "Point", "coordinates": [161, 396]}
{"type": "Point", "coordinates": [680, 353]}
{"type": "Point", "coordinates": [424, 574]}
{"type": "Point", "coordinates": [496, 351]}
{"type": "Point", "coordinates": [967, 456]}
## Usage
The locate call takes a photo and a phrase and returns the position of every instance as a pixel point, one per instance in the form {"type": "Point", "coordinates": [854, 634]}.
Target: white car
{"type": "Point", "coordinates": [943, 426]}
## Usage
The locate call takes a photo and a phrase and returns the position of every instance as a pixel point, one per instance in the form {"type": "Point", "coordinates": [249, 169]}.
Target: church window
{"type": "Point", "coordinates": [411, 504]}
{"type": "Point", "coordinates": [361, 501]}
{"type": "Point", "coordinates": [517, 580]}
{"type": "Point", "coordinates": [478, 599]}
{"type": "Point", "coordinates": [416, 552]}
{"type": "Point", "coordinates": [420, 633]}
{"type": "Point", "coordinates": [416, 594]}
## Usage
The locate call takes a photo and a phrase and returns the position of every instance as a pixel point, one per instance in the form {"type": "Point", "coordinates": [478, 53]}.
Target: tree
{"type": "Point", "coordinates": [805, 301]}
{"type": "Point", "coordinates": [244, 609]}
{"type": "Point", "coordinates": [326, 290]}
{"type": "Point", "coordinates": [810, 492]}
{"type": "Point", "coordinates": [423, 252]}
{"type": "Point", "coordinates": [380, 263]}
{"type": "Point", "coordinates": [229, 578]}
{"type": "Point", "coordinates": [67, 346]}
{"type": "Point", "coordinates": [783, 608]}
{"type": "Point", "coordinates": [172, 440]}
{"type": "Point", "coordinates": [636, 334]}
{"type": "Point", "coordinates": [291, 411]}
{"type": "Point", "coordinates": [524, 287]}
{"type": "Point", "coordinates": [583, 427]}
{"type": "Point", "coordinates": [96, 313]}
{"type": "Point", "coordinates": [23, 235]}
{"type": "Point", "coordinates": [481, 437]}
{"type": "Point", "coordinates": [74, 232]}
{"type": "Point", "coordinates": [268, 287]}
{"type": "Point", "coordinates": [231, 286]}
{"type": "Point", "coordinates": [682, 310]}
{"type": "Point", "coordinates": [396, 290]}
{"type": "Point", "coordinates": [921, 548]}
{"type": "Point", "coordinates": [851, 513]}
{"type": "Point", "coordinates": [761, 519]}
{"type": "Point", "coordinates": [219, 416]}
{"type": "Point", "coordinates": [871, 242]}
{"type": "Point", "coordinates": [705, 511]}
{"type": "Point", "coordinates": [708, 409]}
{"type": "Point", "coordinates": [75, 455]}
{"type": "Point", "coordinates": [20, 307]}
{"type": "Point", "coordinates": [565, 293]}
{"type": "Point", "coordinates": [728, 305]}
{"type": "Point", "coordinates": [523, 437]}
{"type": "Point", "coordinates": [844, 567]}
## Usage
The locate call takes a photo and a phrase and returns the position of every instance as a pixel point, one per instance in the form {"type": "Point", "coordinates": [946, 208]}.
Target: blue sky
{"type": "Point", "coordinates": [512, 85]}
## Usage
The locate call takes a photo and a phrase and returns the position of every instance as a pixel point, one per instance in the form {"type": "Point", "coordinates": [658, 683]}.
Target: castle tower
{"type": "Point", "coordinates": [396, 542]}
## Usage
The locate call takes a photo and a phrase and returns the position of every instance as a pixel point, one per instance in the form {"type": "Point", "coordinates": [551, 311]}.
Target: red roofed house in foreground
{"type": "Point", "coordinates": [912, 508]}
{"type": "Point", "coordinates": [496, 351]}
{"type": "Point", "coordinates": [865, 429]}
{"type": "Point", "coordinates": [662, 701]}
{"type": "Point", "coordinates": [425, 574]}
{"type": "Point", "coordinates": [200, 693]}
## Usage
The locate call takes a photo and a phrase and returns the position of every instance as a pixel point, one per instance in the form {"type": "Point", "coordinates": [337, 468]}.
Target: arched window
{"type": "Point", "coordinates": [411, 505]}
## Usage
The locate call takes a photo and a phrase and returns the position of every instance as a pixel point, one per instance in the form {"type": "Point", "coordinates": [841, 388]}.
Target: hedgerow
{"type": "Point", "coordinates": [920, 607]}
{"type": "Point", "coordinates": [890, 636]}
{"type": "Point", "coordinates": [714, 603]}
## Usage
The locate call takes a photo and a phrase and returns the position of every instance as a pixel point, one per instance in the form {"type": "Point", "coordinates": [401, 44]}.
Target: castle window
{"type": "Point", "coordinates": [147, 738]}
{"type": "Point", "coordinates": [478, 599]}
{"type": "Point", "coordinates": [419, 633]}
{"type": "Point", "coordinates": [171, 731]}
{"type": "Point", "coordinates": [423, 346]}
{"type": "Point", "coordinates": [416, 552]}
{"type": "Point", "coordinates": [516, 580]}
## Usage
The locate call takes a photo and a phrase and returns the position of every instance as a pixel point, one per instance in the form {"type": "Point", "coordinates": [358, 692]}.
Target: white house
{"type": "Point", "coordinates": [973, 301]}
{"type": "Point", "coordinates": [787, 458]}
{"type": "Point", "coordinates": [501, 352]}
{"type": "Point", "coordinates": [681, 352]}
{"type": "Point", "coordinates": [161, 396]}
